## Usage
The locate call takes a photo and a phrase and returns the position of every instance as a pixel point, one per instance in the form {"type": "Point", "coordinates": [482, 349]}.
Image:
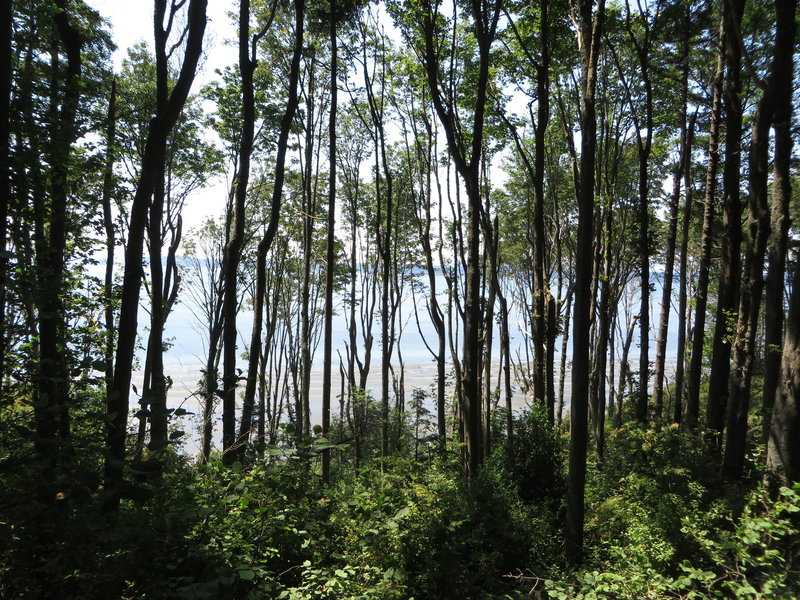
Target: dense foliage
{"type": "Point", "coordinates": [660, 524]}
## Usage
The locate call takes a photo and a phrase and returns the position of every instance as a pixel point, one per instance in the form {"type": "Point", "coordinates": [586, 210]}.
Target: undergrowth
{"type": "Point", "coordinates": [660, 524]}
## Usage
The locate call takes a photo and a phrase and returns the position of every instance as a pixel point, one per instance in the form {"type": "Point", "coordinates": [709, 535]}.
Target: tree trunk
{"type": "Point", "coordinates": [6, 69]}
{"type": "Point", "coordinates": [698, 338]}
{"type": "Point", "coordinates": [775, 107]}
{"type": "Point", "coordinates": [108, 225]}
{"type": "Point", "coordinates": [233, 248]}
{"type": "Point", "coordinates": [329, 251]}
{"type": "Point", "coordinates": [730, 261]}
{"type": "Point", "coordinates": [265, 244]}
{"type": "Point", "coordinates": [680, 361]}
{"type": "Point", "coordinates": [672, 236]}
{"type": "Point", "coordinates": [752, 286]}
{"type": "Point", "coordinates": [589, 35]}
{"type": "Point", "coordinates": [51, 411]}
{"type": "Point", "coordinates": [485, 19]}
{"type": "Point", "coordinates": [778, 240]}
{"type": "Point", "coordinates": [783, 447]}
{"type": "Point", "coordinates": [541, 283]}
{"type": "Point", "coordinates": [564, 341]}
{"type": "Point", "coordinates": [154, 154]}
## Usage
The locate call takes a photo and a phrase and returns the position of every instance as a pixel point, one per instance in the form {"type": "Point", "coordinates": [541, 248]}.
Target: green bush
{"type": "Point", "coordinates": [534, 457]}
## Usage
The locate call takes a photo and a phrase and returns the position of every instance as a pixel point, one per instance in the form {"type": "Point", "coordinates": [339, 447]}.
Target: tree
{"type": "Point", "coordinates": [52, 415]}
{"type": "Point", "coordinates": [712, 165]}
{"type": "Point", "coordinates": [730, 260]}
{"type": "Point", "coordinates": [275, 208]}
{"type": "Point", "coordinates": [590, 28]}
{"type": "Point", "coordinates": [783, 457]}
{"type": "Point", "coordinates": [154, 155]}
{"type": "Point", "coordinates": [6, 70]}
{"type": "Point", "coordinates": [466, 153]}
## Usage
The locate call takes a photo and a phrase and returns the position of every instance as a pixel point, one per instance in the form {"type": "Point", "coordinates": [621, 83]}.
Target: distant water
{"type": "Point", "coordinates": [185, 356]}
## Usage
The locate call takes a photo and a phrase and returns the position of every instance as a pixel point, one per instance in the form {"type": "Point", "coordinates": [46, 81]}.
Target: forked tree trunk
{"type": "Point", "coordinates": [265, 244]}
{"type": "Point", "coordinates": [783, 444]}
{"type": "Point", "coordinates": [154, 155]}
{"type": "Point", "coordinates": [468, 164]}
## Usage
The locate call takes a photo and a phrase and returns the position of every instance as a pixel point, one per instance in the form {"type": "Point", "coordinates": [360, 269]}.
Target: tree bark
{"type": "Point", "coordinates": [589, 35]}
{"type": "Point", "coordinates": [783, 447]}
{"type": "Point", "coordinates": [730, 260]}
{"type": "Point", "coordinates": [6, 69]}
{"type": "Point", "coordinates": [108, 225]}
{"type": "Point", "coordinates": [781, 198]}
{"type": "Point", "coordinates": [330, 256]}
{"type": "Point", "coordinates": [698, 337]}
{"type": "Point", "coordinates": [672, 235]}
{"type": "Point", "coordinates": [52, 414]}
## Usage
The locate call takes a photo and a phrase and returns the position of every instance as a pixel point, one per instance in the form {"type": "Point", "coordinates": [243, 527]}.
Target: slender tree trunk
{"type": "Point", "coordinates": [485, 19]}
{"type": "Point", "coordinates": [505, 361]}
{"type": "Point", "coordinates": [680, 361]}
{"type": "Point", "coordinates": [154, 392]}
{"type": "Point", "coordinates": [6, 69]}
{"type": "Point", "coordinates": [309, 209]}
{"type": "Point", "coordinates": [644, 246]}
{"type": "Point", "coordinates": [493, 280]}
{"type": "Point", "coordinates": [698, 338]}
{"type": "Point", "coordinates": [266, 241]}
{"type": "Point", "coordinates": [589, 34]}
{"type": "Point", "coordinates": [233, 248]}
{"type": "Point", "coordinates": [730, 261]}
{"type": "Point", "coordinates": [624, 370]}
{"type": "Point", "coordinates": [211, 381]}
{"type": "Point", "coordinates": [108, 225]}
{"type": "Point", "coordinates": [672, 237]}
{"type": "Point", "coordinates": [541, 283]}
{"type": "Point", "coordinates": [329, 254]}
{"type": "Point", "coordinates": [564, 341]}
{"type": "Point", "coordinates": [597, 395]}
{"type": "Point", "coordinates": [435, 311]}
